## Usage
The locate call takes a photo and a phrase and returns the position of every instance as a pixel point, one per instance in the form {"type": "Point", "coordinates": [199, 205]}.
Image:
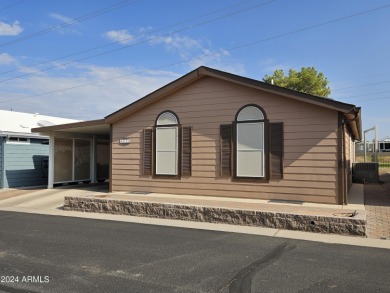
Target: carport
{"type": "Point", "coordinates": [78, 152]}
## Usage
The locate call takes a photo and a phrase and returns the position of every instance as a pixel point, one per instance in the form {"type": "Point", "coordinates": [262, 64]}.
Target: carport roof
{"type": "Point", "coordinates": [85, 127]}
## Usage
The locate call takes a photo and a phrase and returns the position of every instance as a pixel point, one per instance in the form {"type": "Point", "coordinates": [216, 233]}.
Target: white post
{"type": "Point", "coordinates": [73, 158]}
{"type": "Point", "coordinates": [51, 162]}
{"type": "Point", "coordinates": [93, 159]}
{"type": "Point", "coordinates": [365, 147]}
{"type": "Point", "coordinates": [376, 145]}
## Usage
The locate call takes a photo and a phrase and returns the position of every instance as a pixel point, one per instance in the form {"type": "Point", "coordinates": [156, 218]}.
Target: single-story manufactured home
{"type": "Point", "coordinates": [213, 133]}
{"type": "Point", "coordinates": [23, 154]}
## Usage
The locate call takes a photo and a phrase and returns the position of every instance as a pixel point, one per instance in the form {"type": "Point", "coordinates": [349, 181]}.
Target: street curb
{"type": "Point", "coordinates": [298, 235]}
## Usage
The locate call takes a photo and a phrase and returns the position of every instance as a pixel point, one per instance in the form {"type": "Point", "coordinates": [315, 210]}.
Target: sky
{"type": "Point", "coordinates": [86, 59]}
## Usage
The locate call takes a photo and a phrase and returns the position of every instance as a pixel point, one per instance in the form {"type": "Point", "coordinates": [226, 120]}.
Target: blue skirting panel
{"type": "Point", "coordinates": [25, 164]}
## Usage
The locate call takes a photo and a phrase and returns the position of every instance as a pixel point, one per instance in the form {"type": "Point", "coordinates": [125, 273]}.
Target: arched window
{"type": "Point", "coordinates": [166, 151]}
{"type": "Point", "coordinates": [249, 142]}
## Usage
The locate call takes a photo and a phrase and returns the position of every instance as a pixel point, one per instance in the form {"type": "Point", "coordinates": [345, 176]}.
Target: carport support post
{"type": "Point", "coordinates": [365, 147]}
{"type": "Point", "coordinates": [93, 159]}
{"type": "Point", "coordinates": [51, 162]}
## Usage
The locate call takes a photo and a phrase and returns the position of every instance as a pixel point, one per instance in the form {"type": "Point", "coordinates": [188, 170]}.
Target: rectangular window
{"type": "Point", "coordinates": [250, 149]}
{"type": "Point", "coordinates": [167, 150]}
{"type": "Point", "coordinates": [17, 140]}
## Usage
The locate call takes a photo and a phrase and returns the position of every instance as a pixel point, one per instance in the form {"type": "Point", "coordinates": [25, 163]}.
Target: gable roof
{"type": "Point", "coordinates": [350, 111]}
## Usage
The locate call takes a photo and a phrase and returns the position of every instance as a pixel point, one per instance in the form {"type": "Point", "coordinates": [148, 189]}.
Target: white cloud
{"type": "Point", "coordinates": [198, 53]}
{"type": "Point", "coordinates": [121, 36]}
{"type": "Point", "coordinates": [183, 45]}
{"type": "Point", "coordinates": [96, 98]}
{"type": "Point", "coordinates": [60, 17]}
{"type": "Point", "coordinates": [6, 59]}
{"type": "Point", "coordinates": [92, 101]}
{"type": "Point", "coordinates": [269, 65]}
{"type": "Point", "coordinates": [7, 29]}
{"type": "Point", "coordinates": [66, 24]}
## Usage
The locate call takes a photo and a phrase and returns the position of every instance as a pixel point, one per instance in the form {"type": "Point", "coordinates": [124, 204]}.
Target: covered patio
{"type": "Point", "coordinates": [78, 152]}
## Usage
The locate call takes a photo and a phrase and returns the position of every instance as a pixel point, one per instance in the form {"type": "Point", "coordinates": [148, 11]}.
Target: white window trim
{"type": "Point", "coordinates": [161, 124]}
{"type": "Point", "coordinates": [176, 151]}
{"type": "Point", "coordinates": [248, 120]}
{"type": "Point", "coordinates": [262, 150]}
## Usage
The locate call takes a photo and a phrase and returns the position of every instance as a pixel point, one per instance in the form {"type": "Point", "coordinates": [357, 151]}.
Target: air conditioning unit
{"type": "Point", "coordinates": [365, 172]}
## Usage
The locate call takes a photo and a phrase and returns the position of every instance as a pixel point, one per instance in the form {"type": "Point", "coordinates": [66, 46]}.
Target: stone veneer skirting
{"type": "Point", "coordinates": [309, 223]}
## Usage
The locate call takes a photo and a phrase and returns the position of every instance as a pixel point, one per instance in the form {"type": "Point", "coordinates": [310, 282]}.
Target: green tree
{"type": "Point", "coordinates": [308, 80]}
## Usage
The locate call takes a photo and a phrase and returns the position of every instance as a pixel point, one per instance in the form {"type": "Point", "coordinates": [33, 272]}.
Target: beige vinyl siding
{"type": "Point", "coordinates": [310, 145]}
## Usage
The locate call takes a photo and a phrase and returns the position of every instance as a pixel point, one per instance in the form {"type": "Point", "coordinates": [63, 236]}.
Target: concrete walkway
{"type": "Point", "coordinates": [320, 218]}
{"type": "Point", "coordinates": [10, 193]}
{"type": "Point", "coordinates": [46, 199]}
{"type": "Point", "coordinates": [377, 204]}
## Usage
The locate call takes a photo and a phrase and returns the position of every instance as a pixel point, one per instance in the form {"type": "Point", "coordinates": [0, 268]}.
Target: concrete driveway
{"type": "Point", "coordinates": [46, 199]}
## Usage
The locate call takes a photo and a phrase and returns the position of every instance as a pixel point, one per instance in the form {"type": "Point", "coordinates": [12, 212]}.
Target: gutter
{"type": "Point", "coordinates": [352, 118]}
{"type": "Point", "coordinates": [21, 134]}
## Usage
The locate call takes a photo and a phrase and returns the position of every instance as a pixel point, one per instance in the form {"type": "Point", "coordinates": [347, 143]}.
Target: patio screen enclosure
{"type": "Point", "coordinates": [74, 159]}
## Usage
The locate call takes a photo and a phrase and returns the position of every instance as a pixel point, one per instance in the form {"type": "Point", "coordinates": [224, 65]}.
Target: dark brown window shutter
{"type": "Point", "coordinates": [148, 148]}
{"type": "Point", "coordinates": [276, 150]}
{"type": "Point", "coordinates": [186, 135]}
{"type": "Point", "coordinates": [226, 149]}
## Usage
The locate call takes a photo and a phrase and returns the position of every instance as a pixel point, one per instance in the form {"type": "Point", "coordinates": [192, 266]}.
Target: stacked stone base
{"type": "Point", "coordinates": [309, 223]}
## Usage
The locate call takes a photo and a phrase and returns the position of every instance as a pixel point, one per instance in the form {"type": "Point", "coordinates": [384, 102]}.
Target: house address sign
{"type": "Point", "coordinates": [124, 140]}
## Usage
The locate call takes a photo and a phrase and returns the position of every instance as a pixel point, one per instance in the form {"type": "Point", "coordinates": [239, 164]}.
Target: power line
{"type": "Point", "coordinates": [364, 100]}
{"type": "Point", "coordinates": [126, 39]}
{"type": "Point", "coordinates": [12, 5]}
{"type": "Point", "coordinates": [141, 42]}
{"type": "Point", "coordinates": [206, 55]}
{"type": "Point", "coordinates": [360, 85]}
{"type": "Point", "coordinates": [367, 94]}
{"type": "Point", "coordinates": [71, 22]}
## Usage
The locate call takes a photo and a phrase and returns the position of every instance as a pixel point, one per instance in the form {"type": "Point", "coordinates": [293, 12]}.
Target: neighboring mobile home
{"type": "Point", "coordinates": [212, 133]}
{"type": "Point", "coordinates": [23, 154]}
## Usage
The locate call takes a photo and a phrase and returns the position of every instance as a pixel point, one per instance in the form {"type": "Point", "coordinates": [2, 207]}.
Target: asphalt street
{"type": "Point", "coordinates": [40, 253]}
